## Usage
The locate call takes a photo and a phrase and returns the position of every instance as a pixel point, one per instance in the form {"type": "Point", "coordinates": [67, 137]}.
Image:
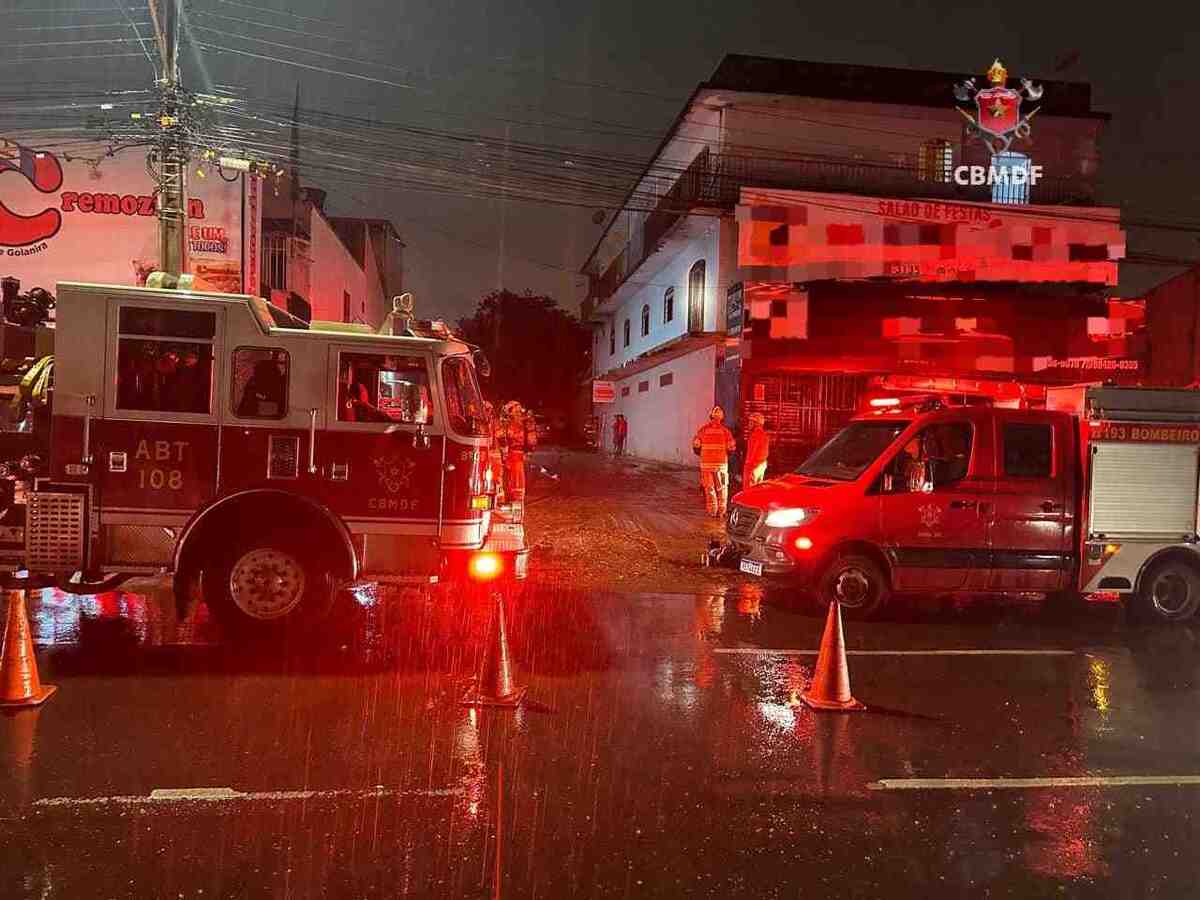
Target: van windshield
{"type": "Point", "coordinates": [849, 452]}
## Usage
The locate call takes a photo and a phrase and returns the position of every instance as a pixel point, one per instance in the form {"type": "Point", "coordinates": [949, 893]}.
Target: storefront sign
{"type": "Point", "coordinates": [69, 219]}
{"type": "Point", "coordinates": [603, 392]}
{"type": "Point", "coordinates": [794, 237]}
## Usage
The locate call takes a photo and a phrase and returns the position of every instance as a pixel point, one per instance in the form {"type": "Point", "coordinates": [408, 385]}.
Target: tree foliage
{"type": "Point", "coordinates": [538, 351]}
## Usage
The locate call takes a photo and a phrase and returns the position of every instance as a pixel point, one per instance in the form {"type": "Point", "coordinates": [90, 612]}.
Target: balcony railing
{"type": "Point", "coordinates": [715, 180]}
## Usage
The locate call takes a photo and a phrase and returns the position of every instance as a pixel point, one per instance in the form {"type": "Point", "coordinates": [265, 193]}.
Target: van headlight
{"type": "Point", "coordinates": [790, 517]}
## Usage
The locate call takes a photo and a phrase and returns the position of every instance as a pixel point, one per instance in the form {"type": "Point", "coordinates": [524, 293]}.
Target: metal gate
{"type": "Point", "coordinates": [802, 411]}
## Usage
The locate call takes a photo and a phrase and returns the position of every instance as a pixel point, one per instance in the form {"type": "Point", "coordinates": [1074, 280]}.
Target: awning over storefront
{"type": "Point", "coordinates": [803, 236]}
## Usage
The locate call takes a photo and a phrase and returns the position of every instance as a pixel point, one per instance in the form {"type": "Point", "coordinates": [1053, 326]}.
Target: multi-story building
{"type": "Point", "coordinates": [802, 237]}
{"type": "Point", "coordinates": [335, 269]}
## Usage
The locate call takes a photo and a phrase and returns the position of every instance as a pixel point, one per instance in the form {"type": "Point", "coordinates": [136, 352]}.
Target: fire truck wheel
{"type": "Point", "coordinates": [857, 583]}
{"type": "Point", "coordinates": [1169, 592]}
{"type": "Point", "coordinates": [267, 583]}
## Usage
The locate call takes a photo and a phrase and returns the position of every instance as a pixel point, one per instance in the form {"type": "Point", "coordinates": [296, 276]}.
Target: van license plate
{"type": "Point", "coordinates": [751, 567]}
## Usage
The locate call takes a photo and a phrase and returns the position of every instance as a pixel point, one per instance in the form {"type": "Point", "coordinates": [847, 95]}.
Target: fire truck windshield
{"type": "Point", "coordinates": [849, 452]}
{"type": "Point", "coordinates": [464, 402]}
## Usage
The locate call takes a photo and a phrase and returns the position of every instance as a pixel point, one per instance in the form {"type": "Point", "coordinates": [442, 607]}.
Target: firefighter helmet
{"type": "Point", "coordinates": [511, 409]}
{"type": "Point", "coordinates": [717, 414]}
{"type": "Point", "coordinates": [758, 419]}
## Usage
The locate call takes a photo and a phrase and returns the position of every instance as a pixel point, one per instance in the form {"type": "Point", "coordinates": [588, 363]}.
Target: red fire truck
{"type": "Point", "coordinates": [1094, 496]}
{"type": "Point", "coordinates": [269, 461]}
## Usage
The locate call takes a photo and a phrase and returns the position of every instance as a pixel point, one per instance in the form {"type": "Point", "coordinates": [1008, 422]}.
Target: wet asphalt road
{"type": "Point", "coordinates": [663, 754]}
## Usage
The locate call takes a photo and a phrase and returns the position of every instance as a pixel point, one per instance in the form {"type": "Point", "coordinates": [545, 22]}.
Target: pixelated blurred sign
{"type": "Point", "coordinates": [603, 392]}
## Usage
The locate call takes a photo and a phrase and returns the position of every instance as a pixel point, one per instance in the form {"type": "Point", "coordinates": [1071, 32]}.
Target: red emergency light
{"type": "Point", "coordinates": [485, 566]}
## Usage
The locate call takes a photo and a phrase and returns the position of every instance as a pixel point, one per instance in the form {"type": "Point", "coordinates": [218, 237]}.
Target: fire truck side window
{"type": "Point", "coordinates": [165, 360]}
{"type": "Point", "coordinates": [1028, 450]}
{"type": "Point", "coordinates": [373, 387]}
{"type": "Point", "coordinates": [260, 383]}
{"type": "Point", "coordinates": [464, 403]}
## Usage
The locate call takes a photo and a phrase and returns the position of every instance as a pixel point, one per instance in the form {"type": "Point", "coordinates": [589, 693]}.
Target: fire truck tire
{"type": "Point", "coordinates": [857, 583]}
{"type": "Point", "coordinates": [1169, 592]}
{"type": "Point", "coordinates": [269, 583]}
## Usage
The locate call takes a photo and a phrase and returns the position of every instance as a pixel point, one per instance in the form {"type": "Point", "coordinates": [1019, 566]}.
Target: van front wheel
{"type": "Point", "coordinates": [857, 584]}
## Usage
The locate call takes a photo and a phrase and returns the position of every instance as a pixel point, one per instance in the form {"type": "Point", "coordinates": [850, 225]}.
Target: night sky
{"type": "Point", "coordinates": [608, 78]}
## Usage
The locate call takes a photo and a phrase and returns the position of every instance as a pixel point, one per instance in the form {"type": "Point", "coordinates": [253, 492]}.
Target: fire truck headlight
{"type": "Point", "coordinates": [791, 517]}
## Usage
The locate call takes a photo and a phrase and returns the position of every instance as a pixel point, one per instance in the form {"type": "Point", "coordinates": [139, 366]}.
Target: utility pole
{"type": "Point", "coordinates": [172, 151]}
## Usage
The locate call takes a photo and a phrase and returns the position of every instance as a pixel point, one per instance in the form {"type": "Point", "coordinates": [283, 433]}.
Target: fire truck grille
{"type": "Point", "coordinates": [54, 532]}
{"type": "Point", "coordinates": [742, 521]}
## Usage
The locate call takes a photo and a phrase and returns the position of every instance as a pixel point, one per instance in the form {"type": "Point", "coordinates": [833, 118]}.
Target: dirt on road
{"type": "Point", "coordinates": [599, 523]}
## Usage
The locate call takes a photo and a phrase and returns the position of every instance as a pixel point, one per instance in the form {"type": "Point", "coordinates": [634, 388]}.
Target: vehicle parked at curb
{"type": "Point", "coordinates": [272, 461]}
{"type": "Point", "coordinates": [1094, 497]}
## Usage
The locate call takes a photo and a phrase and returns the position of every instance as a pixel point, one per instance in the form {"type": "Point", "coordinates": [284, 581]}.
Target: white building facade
{"type": "Point", "coordinates": [665, 272]}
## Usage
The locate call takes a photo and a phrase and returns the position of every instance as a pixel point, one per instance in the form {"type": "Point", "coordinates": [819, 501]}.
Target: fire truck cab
{"type": "Point", "coordinates": [1094, 496]}
{"type": "Point", "coordinates": [271, 461]}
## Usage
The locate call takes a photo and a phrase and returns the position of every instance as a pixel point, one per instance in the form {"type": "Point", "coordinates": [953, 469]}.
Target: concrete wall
{"type": "Point", "coordinates": [663, 420]}
{"type": "Point", "coordinates": [334, 270]}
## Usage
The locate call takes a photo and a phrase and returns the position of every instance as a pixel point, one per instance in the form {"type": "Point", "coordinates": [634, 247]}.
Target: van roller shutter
{"type": "Point", "coordinates": [1143, 489]}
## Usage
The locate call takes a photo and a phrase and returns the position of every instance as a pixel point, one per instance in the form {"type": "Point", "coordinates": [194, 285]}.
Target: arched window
{"type": "Point", "coordinates": [645, 320]}
{"type": "Point", "coordinates": [612, 337]}
{"type": "Point", "coordinates": [696, 297]}
{"type": "Point", "coordinates": [626, 332]}
{"type": "Point", "coordinates": [669, 305]}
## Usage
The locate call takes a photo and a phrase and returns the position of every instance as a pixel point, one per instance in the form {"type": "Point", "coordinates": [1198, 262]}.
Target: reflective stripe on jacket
{"type": "Point", "coordinates": [715, 443]}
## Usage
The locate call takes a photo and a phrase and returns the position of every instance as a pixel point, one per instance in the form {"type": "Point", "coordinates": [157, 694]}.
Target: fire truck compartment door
{"type": "Point", "coordinates": [1143, 490]}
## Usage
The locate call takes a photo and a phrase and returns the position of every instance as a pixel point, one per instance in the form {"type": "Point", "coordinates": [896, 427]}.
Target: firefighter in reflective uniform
{"type": "Point", "coordinates": [495, 458]}
{"type": "Point", "coordinates": [517, 437]}
{"type": "Point", "coordinates": [758, 446]}
{"type": "Point", "coordinates": [713, 444]}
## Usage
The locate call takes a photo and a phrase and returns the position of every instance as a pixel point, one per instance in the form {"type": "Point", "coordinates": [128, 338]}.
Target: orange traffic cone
{"type": "Point", "coordinates": [19, 682]}
{"type": "Point", "coordinates": [830, 688]}
{"type": "Point", "coordinates": [496, 685]}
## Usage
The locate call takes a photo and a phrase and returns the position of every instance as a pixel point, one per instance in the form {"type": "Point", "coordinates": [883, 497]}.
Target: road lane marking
{"type": "Point", "coordinates": [226, 794]}
{"type": "Point", "coordinates": [985, 784]}
{"type": "Point", "coordinates": [764, 651]}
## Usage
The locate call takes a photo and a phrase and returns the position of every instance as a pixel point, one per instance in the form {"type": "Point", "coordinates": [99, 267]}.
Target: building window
{"type": "Point", "coordinates": [1010, 190]}
{"type": "Point", "coordinates": [260, 383]}
{"type": "Point", "coordinates": [275, 261]}
{"type": "Point", "coordinates": [935, 161]}
{"type": "Point", "coordinates": [645, 320]}
{"type": "Point", "coordinates": [164, 359]}
{"type": "Point", "coordinates": [667, 379]}
{"type": "Point", "coordinates": [626, 332]}
{"type": "Point", "coordinates": [643, 387]}
{"type": "Point", "coordinates": [624, 392]}
{"type": "Point", "coordinates": [669, 305]}
{"type": "Point", "coordinates": [612, 337]}
{"type": "Point", "coordinates": [346, 306]}
{"type": "Point", "coordinates": [696, 298]}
